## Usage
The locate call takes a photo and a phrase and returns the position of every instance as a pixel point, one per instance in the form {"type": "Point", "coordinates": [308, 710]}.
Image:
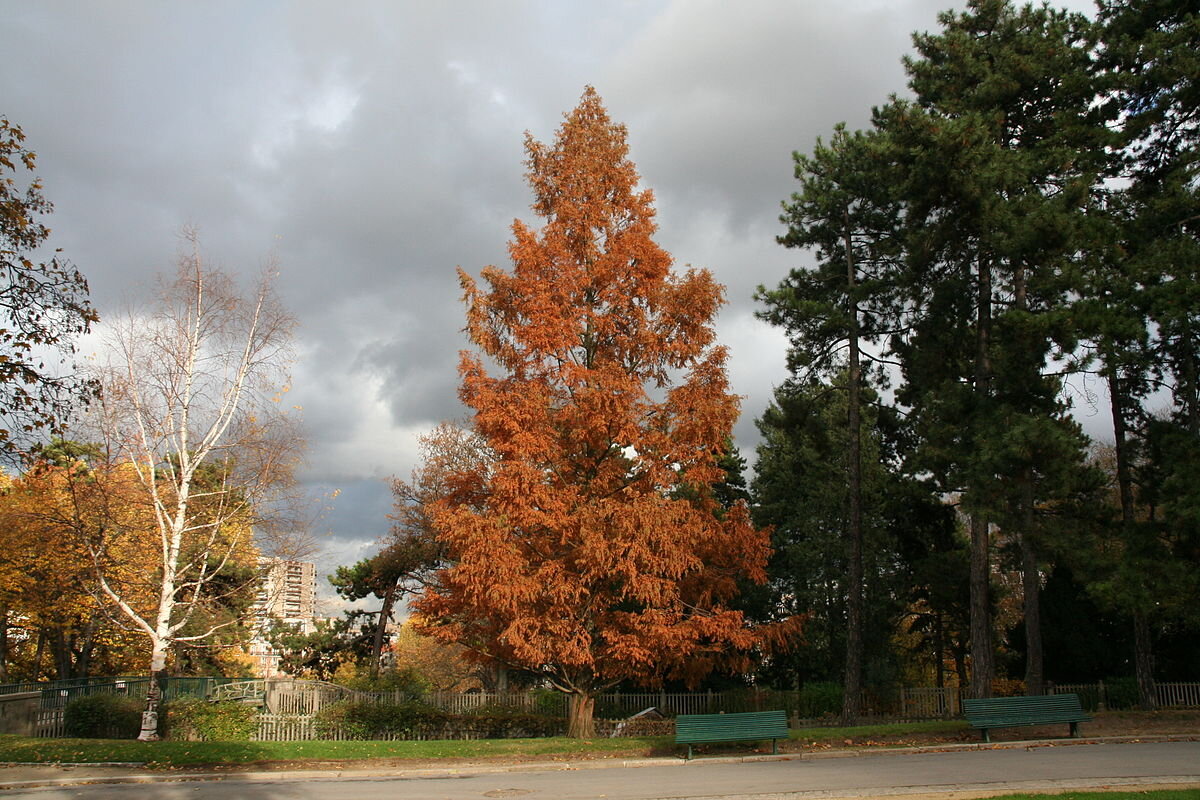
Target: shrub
{"type": "Point", "coordinates": [819, 699]}
{"type": "Point", "coordinates": [611, 728]}
{"type": "Point", "coordinates": [356, 720]}
{"type": "Point", "coordinates": [1121, 693]}
{"type": "Point", "coordinates": [192, 719]}
{"type": "Point", "coordinates": [1008, 687]}
{"type": "Point", "coordinates": [406, 681]}
{"type": "Point", "coordinates": [104, 716]}
{"type": "Point", "coordinates": [500, 722]}
{"type": "Point", "coordinates": [549, 702]}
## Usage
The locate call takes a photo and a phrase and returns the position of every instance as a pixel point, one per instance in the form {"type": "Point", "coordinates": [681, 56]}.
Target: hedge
{"type": "Point", "coordinates": [192, 719]}
{"type": "Point", "coordinates": [416, 720]}
{"type": "Point", "coordinates": [104, 716]}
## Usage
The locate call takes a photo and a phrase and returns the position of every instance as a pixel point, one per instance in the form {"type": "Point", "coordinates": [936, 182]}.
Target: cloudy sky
{"type": "Point", "coordinates": [372, 147]}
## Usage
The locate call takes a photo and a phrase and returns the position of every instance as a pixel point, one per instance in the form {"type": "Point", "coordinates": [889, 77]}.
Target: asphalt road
{"type": "Point", "coordinates": [871, 775]}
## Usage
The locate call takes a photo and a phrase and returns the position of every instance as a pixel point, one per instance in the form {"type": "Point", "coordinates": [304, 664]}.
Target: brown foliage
{"type": "Point", "coordinates": [581, 557]}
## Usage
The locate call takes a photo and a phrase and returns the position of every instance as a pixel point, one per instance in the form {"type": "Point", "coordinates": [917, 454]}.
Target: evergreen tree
{"type": "Point", "coordinates": [844, 214]}
{"type": "Point", "coordinates": [994, 153]}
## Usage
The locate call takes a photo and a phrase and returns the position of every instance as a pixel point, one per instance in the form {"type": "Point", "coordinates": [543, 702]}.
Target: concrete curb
{"type": "Point", "coordinates": [86, 776]}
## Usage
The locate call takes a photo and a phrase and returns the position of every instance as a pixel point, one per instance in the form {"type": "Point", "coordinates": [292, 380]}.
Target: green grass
{"type": "Point", "coordinates": [178, 754]}
{"type": "Point", "coordinates": [1168, 794]}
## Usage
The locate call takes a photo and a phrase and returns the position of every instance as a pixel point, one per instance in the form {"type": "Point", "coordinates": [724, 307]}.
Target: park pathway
{"type": "Point", "coordinates": [970, 773]}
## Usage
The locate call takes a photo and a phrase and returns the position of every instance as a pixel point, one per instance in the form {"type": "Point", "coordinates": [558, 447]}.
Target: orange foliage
{"type": "Point", "coordinates": [439, 664]}
{"type": "Point", "coordinates": [581, 559]}
{"type": "Point", "coordinates": [48, 516]}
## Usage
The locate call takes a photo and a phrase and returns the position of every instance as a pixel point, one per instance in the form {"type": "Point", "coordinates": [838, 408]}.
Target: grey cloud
{"type": "Point", "coordinates": [372, 147]}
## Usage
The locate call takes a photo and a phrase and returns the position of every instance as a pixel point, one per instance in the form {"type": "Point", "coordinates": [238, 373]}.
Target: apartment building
{"type": "Point", "coordinates": [288, 594]}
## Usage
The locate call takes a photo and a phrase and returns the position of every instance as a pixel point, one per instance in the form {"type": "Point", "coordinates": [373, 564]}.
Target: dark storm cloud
{"type": "Point", "coordinates": [372, 147]}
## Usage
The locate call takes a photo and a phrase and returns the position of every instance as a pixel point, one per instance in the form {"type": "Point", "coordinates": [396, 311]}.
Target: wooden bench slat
{"type": "Point", "coordinates": [749, 726]}
{"type": "Point", "coordinates": [1010, 712]}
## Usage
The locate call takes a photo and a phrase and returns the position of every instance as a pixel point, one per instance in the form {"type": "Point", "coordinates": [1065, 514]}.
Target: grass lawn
{"type": "Point", "coordinates": [179, 754]}
{"type": "Point", "coordinates": [1169, 794]}
{"type": "Point", "coordinates": [166, 755]}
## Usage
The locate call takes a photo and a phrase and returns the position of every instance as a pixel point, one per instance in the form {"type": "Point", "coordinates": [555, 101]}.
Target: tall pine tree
{"type": "Point", "coordinates": [996, 175]}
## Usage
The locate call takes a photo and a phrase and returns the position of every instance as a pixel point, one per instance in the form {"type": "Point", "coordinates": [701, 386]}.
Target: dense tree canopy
{"type": "Point", "coordinates": [992, 257]}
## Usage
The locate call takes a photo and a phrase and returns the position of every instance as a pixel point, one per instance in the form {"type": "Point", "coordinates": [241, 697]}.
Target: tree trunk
{"type": "Point", "coordinates": [852, 696]}
{"type": "Point", "coordinates": [982, 664]}
{"type": "Point", "coordinates": [982, 658]}
{"type": "Point", "coordinates": [939, 650]}
{"type": "Point", "coordinates": [501, 679]}
{"type": "Point", "coordinates": [960, 666]}
{"type": "Point", "coordinates": [385, 616]}
{"type": "Point", "coordinates": [1143, 659]}
{"type": "Point", "coordinates": [3, 642]}
{"type": "Point", "coordinates": [158, 675]}
{"type": "Point", "coordinates": [87, 644]}
{"type": "Point", "coordinates": [1144, 662]}
{"type": "Point", "coordinates": [580, 723]}
{"type": "Point", "coordinates": [1031, 583]}
{"type": "Point", "coordinates": [1035, 680]}
{"type": "Point", "coordinates": [60, 652]}
{"type": "Point", "coordinates": [1189, 382]}
{"type": "Point", "coordinates": [37, 656]}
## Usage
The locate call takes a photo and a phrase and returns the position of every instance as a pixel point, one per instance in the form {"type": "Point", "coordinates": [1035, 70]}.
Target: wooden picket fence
{"type": "Point", "coordinates": [1101, 697]}
{"type": "Point", "coordinates": [289, 707]}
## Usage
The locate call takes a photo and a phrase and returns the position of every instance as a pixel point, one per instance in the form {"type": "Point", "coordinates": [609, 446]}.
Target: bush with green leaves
{"type": "Point", "coordinates": [549, 702]}
{"type": "Point", "coordinates": [366, 721]}
{"type": "Point", "coordinates": [104, 716]}
{"type": "Point", "coordinates": [357, 720]}
{"type": "Point", "coordinates": [192, 719]}
{"type": "Point", "coordinates": [406, 681]}
{"type": "Point", "coordinates": [503, 722]}
{"type": "Point", "coordinates": [1121, 693]}
{"type": "Point", "coordinates": [819, 699]}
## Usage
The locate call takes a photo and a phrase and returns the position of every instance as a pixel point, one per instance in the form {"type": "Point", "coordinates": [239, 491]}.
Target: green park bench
{"type": "Point", "coordinates": [1010, 712]}
{"type": "Point", "coordinates": [753, 726]}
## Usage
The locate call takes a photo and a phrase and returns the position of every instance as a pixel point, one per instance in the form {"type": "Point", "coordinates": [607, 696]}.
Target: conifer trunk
{"type": "Point", "coordinates": [385, 615]}
{"type": "Point", "coordinates": [982, 661]}
{"type": "Point", "coordinates": [852, 695]}
{"type": "Point", "coordinates": [1035, 682]}
{"type": "Point", "coordinates": [939, 650]}
{"type": "Point", "coordinates": [1030, 579]}
{"type": "Point", "coordinates": [1142, 643]}
{"type": "Point", "coordinates": [580, 709]}
{"type": "Point", "coordinates": [1144, 661]}
{"type": "Point", "coordinates": [1191, 385]}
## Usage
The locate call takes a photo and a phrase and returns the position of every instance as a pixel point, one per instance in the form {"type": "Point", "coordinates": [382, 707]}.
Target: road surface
{"type": "Point", "coordinates": [872, 775]}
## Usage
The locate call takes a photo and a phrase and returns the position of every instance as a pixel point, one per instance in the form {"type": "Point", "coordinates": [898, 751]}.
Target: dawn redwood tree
{"type": "Point", "coordinates": [580, 558]}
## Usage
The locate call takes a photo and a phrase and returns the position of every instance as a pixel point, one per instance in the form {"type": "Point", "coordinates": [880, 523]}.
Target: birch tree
{"type": "Point", "coordinates": [192, 400]}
